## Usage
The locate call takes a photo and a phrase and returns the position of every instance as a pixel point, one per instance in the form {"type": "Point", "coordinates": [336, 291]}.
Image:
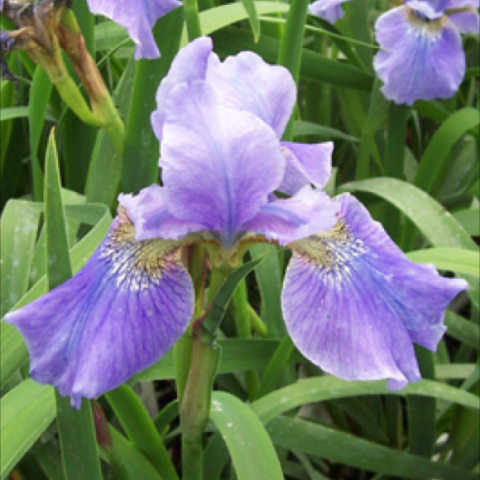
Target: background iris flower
{"type": "Point", "coordinates": [138, 17]}
{"type": "Point", "coordinates": [353, 303]}
{"type": "Point", "coordinates": [421, 54]}
{"type": "Point", "coordinates": [329, 10]}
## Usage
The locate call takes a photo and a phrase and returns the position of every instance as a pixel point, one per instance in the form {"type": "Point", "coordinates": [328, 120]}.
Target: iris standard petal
{"type": "Point", "coordinates": [138, 17]}
{"type": "Point", "coordinates": [353, 303]}
{"type": "Point", "coordinates": [246, 82]}
{"type": "Point", "coordinates": [329, 10]}
{"type": "Point", "coordinates": [284, 221]}
{"type": "Point", "coordinates": [219, 164]}
{"type": "Point", "coordinates": [418, 59]}
{"type": "Point", "coordinates": [117, 316]}
{"type": "Point", "coordinates": [189, 64]}
{"type": "Point", "coordinates": [151, 218]}
{"type": "Point", "coordinates": [306, 164]}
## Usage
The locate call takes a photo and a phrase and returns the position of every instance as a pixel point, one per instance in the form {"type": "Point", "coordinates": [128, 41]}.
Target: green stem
{"type": "Point", "coordinates": [195, 407]}
{"type": "Point", "coordinates": [291, 47]}
{"type": "Point", "coordinates": [192, 19]}
{"type": "Point", "coordinates": [74, 99]}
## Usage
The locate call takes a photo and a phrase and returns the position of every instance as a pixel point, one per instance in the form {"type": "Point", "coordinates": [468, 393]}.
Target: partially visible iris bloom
{"type": "Point", "coordinates": [138, 17]}
{"type": "Point", "coordinates": [421, 54]}
{"type": "Point", "coordinates": [353, 303]}
{"type": "Point", "coordinates": [329, 10]}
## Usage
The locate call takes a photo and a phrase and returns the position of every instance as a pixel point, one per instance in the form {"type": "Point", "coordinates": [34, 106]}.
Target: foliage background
{"type": "Point", "coordinates": [415, 168]}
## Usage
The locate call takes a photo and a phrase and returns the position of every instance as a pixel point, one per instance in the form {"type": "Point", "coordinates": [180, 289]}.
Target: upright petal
{"type": "Point", "coordinates": [247, 82]}
{"type": "Point", "coordinates": [138, 17]}
{"type": "Point", "coordinates": [329, 10]}
{"type": "Point", "coordinates": [285, 221]}
{"type": "Point", "coordinates": [418, 59]}
{"type": "Point", "coordinates": [219, 164]}
{"type": "Point", "coordinates": [151, 218]}
{"type": "Point", "coordinates": [190, 64]}
{"type": "Point", "coordinates": [117, 316]}
{"type": "Point", "coordinates": [353, 303]}
{"type": "Point", "coordinates": [306, 164]}
{"type": "Point", "coordinates": [464, 15]}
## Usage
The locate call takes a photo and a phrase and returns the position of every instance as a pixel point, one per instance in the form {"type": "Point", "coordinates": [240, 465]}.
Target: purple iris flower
{"type": "Point", "coordinates": [353, 303]}
{"type": "Point", "coordinates": [329, 10]}
{"type": "Point", "coordinates": [421, 54]}
{"type": "Point", "coordinates": [138, 17]}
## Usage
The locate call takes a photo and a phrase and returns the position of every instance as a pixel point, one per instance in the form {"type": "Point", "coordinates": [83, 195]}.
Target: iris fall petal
{"type": "Point", "coordinates": [353, 303]}
{"type": "Point", "coordinates": [118, 315]}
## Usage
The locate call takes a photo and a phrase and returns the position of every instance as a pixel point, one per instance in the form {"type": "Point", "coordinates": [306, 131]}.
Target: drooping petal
{"type": "Point", "coordinates": [138, 17]}
{"type": "Point", "coordinates": [117, 316]}
{"type": "Point", "coordinates": [418, 59]}
{"type": "Point", "coordinates": [329, 10]}
{"type": "Point", "coordinates": [151, 218]}
{"type": "Point", "coordinates": [190, 64]}
{"type": "Point", "coordinates": [219, 164]}
{"type": "Point", "coordinates": [246, 82]}
{"type": "Point", "coordinates": [353, 303]}
{"type": "Point", "coordinates": [306, 164]}
{"type": "Point", "coordinates": [285, 221]}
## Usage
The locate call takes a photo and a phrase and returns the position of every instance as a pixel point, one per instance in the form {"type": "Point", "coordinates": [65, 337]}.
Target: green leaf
{"type": "Point", "coordinates": [221, 16]}
{"type": "Point", "coordinates": [434, 162]}
{"type": "Point", "coordinates": [462, 329]}
{"type": "Point", "coordinates": [10, 113]}
{"type": "Point", "coordinates": [238, 355]}
{"type": "Point", "coordinates": [269, 280]}
{"type": "Point", "coordinates": [315, 67]}
{"type": "Point", "coordinates": [140, 429]}
{"type": "Point", "coordinates": [39, 97]}
{"type": "Point", "coordinates": [438, 225]}
{"type": "Point", "coordinates": [319, 441]}
{"type": "Point", "coordinates": [140, 159]}
{"type": "Point", "coordinates": [19, 229]}
{"type": "Point", "coordinates": [251, 10]}
{"type": "Point", "coordinates": [220, 303]}
{"type": "Point", "coordinates": [129, 459]}
{"type": "Point", "coordinates": [470, 220]}
{"type": "Point", "coordinates": [25, 413]}
{"type": "Point", "coordinates": [301, 128]}
{"type": "Point", "coordinates": [75, 427]}
{"type": "Point", "coordinates": [319, 389]}
{"type": "Point", "coordinates": [106, 163]}
{"type": "Point", "coordinates": [252, 452]}
{"type": "Point", "coordinates": [451, 259]}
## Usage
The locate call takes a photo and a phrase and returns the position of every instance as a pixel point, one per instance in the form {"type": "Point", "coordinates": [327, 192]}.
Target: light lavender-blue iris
{"type": "Point", "coordinates": [421, 54]}
{"type": "Point", "coordinates": [138, 17]}
{"type": "Point", "coordinates": [329, 10]}
{"type": "Point", "coordinates": [352, 302]}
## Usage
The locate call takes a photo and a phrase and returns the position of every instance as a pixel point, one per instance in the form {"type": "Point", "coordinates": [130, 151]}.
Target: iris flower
{"type": "Point", "coordinates": [421, 54]}
{"type": "Point", "coordinates": [329, 10]}
{"type": "Point", "coordinates": [138, 17]}
{"type": "Point", "coordinates": [353, 303]}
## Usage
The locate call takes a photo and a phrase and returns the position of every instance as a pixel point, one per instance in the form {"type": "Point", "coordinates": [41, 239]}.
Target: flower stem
{"type": "Point", "coordinates": [195, 406]}
{"type": "Point", "coordinates": [192, 19]}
